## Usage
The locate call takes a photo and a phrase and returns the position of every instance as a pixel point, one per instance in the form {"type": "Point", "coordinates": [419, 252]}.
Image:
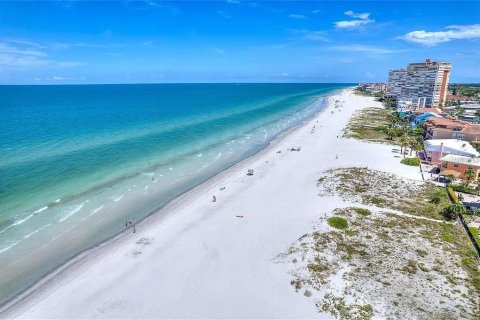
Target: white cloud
{"type": "Point", "coordinates": [13, 56]}
{"type": "Point", "coordinates": [25, 42]}
{"type": "Point", "coordinates": [352, 14]}
{"type": "Point", "coordinates": [362, 19]}
{"type": "Point", "coordinates": [297, 16]}
{"type": "Point", "coordinates": [233, 1]}
{"type": "Point", "coordinates": [454, 32]}
{"type": "Point", "coordinates": [306, 34]}
{"type": "Point", "coordinates": [19, 55]}
{"type": "Point", "coordinates": [316, 11]}
{"type": "Point", "coordinates": [316, 36]}
{"type": "Point", "coordinates": [365, 49]}
{"type": "Point", "coordinates": [219, 51]}
{"type": "Point", "coordinates": [63, 45]}
{"type": "Point", "coordinates": [224, 15]}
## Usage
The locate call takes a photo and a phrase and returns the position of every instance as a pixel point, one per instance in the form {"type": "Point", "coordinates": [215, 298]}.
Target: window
{"type": "Point", "coordinates": [455, 165]}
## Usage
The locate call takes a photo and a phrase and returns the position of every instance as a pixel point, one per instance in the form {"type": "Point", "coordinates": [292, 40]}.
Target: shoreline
{"type": "Point", "coordinates": [158, 215]}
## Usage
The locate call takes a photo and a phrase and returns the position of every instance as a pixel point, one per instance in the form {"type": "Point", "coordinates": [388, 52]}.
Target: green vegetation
{"type": "Point", "coordinates": [337, 223]}
{"type": "Point", "coordinates": [385, 126]}
{"type": "Point", "coordinates": [452, 211]}
{"type": "Point", "coordinates": [469, 176]}
{"type": "Point", "coordinates": [340, 309]}
{"type": "Point", "coordinates": [411, 161]}
{"type": "Point", "coordinates": [452, 195]}
{"type": "Point", "coordinates": [474, 232]}
{"type": "Point", "coordinates": [362, 92]}
{"type": "Point", "coordinates": [384, 190]}
{"type": "Point", "coordinates": [398, 258]}
{"type": "Point", "coordinates": [362, 211]}
{"type": "Point", "coordinates": [468, 89]}
{"type": "Point", "coordinates": [370, 124]}
{"type": "Point", "coordinates": [464, 189]}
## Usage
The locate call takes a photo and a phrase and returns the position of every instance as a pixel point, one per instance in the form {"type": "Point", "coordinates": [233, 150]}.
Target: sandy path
{"type": "Point", "coordinates": [202, 261]}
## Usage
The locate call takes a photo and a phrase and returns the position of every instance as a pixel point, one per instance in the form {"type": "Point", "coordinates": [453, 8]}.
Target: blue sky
{"type": "Point", "coordinates": [233, 40]}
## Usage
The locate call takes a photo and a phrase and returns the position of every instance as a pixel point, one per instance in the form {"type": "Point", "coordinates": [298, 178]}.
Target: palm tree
{"type": "Point", "coordinates": [390, 133]}
{"type": "Point", "coordinates": [469, 176]}
{"type": "Point", "coordinates": [403, 143]}
{"type": "Point", "coordinates": [417, 146]}
{"type": "Point", "coordinates": [451, 178]}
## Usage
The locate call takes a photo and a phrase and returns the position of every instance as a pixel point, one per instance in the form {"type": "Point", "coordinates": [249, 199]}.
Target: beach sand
{"type": "Point", "coordinates": [202, 259]}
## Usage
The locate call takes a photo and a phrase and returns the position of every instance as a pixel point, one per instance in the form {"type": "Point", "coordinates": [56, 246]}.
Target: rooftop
{"type": "Point", "coordinates": [424, 110]}
{"type": "Point", "coordinates": [451, 146]}
{"type": "Point", "coordinates": [462, 159]}
{"type": "Point", "coordinates": [466, 127]}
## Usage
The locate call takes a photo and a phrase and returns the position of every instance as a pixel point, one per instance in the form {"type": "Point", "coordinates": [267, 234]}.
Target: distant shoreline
{"type": "Point", "coordinates": [156, 214]}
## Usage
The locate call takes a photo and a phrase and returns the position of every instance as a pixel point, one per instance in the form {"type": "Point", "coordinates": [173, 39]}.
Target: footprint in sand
{"type": "Point", "coordinates": [144, 241]}
{"type": "Point", "coordinates": [136, 253]}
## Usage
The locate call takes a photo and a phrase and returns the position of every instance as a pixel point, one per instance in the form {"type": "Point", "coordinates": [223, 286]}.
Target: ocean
{"type": "Point", "coordinates": [76, 161]}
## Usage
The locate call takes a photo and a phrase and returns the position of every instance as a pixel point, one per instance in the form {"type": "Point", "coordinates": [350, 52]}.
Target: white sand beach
{"type": "Point", "coordinates": [202, 259]}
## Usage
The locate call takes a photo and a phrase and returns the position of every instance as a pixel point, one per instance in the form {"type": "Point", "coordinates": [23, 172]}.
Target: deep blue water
{"type": "Point", "coordinates": [75, 161]}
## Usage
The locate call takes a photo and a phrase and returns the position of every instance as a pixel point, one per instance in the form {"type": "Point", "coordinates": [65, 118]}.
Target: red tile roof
{"type": "Point", "coordinates": [424, 110]}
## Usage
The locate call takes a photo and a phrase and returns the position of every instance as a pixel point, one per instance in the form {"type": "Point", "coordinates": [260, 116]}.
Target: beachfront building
{"type": "Point", "coordinates": [460, 164]}
{"type": "Point", "coordinates": [373, 86]}
{"type": "Point", "coordinates": [424, 83]}
{"type": "Point", "coordinates": [451, 128]}
{"type": "Point", "coordinates": [436, 149]}
{"type": "Point", "coordinates": [421, 118]}
{"type": "Point", "coordinates": [473, 118]}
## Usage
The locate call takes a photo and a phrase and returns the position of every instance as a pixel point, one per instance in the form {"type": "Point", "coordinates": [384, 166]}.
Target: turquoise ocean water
{"type": "Point", "coordinates": [76, 161]}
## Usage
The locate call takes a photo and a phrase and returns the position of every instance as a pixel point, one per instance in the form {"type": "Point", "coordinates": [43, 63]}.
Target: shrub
{"type": "Point", "coordinates": [464, 189]}
{"type": "Point", "coordinates": [337, 223]}
{"type": "Point", "coordinates": [411, 161]}
{"type": "Point", "coordinates": [436, 200]}
{"type": "Point", "coordinates": [362, 212]}
{"type": "Point", "coordinates": [452, 195]}
{"type": "Point", "coordinates": [452, 211]}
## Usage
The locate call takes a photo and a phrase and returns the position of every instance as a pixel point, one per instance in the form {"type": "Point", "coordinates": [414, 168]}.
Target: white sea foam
{"type": "Point", "coordinates": [199, 155]}
{"type": "Point", "coordinates": [170, 168]}
{"type": "Point", "coordinates": [58, 200]}
{"type": "Point", "coordinates": [231, 142]}
{"type": "Point", "coordinates": [118, 198]}
{"type": "Point", "coordinates": [38, 230]}
{"type": "Point", "coordinates": [8, 246]}
{"type": "Point", "coordinates": [40, 210]}
{"type": "Point", "coordinates": [93, 212]}
{"type": "Point", "coordinates": [20, 221]}
{"type": "Point", "coordinates": [210, 163]}
{"type": "Point", "coordinates": [71, 213]}
{"type": "Point", "coordinates": [148, 173]}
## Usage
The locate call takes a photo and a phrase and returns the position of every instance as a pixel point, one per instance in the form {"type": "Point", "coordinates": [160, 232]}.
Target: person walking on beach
{"type": "Point", "coordinates": [214, 199]}
{"type": "Point", "coordinates": [134, 230]}
{"type": "Point", "coordinates": [126, 223]}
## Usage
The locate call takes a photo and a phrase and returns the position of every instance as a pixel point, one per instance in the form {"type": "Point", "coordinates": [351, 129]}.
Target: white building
{"type": "Point", "coordinates": [438, 148]}
{"type": "Point", "coordinates": [425, 83]}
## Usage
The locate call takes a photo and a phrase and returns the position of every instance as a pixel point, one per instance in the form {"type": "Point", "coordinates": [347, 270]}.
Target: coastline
{"type": "Point", "coordinates": [159, 215]}
{"type": "Point", "coordinates": [220, 260]}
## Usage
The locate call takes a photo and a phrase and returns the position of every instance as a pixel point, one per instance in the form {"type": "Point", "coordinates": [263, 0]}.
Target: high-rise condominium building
{"type": "Point", "coordinates": [424, 83]}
